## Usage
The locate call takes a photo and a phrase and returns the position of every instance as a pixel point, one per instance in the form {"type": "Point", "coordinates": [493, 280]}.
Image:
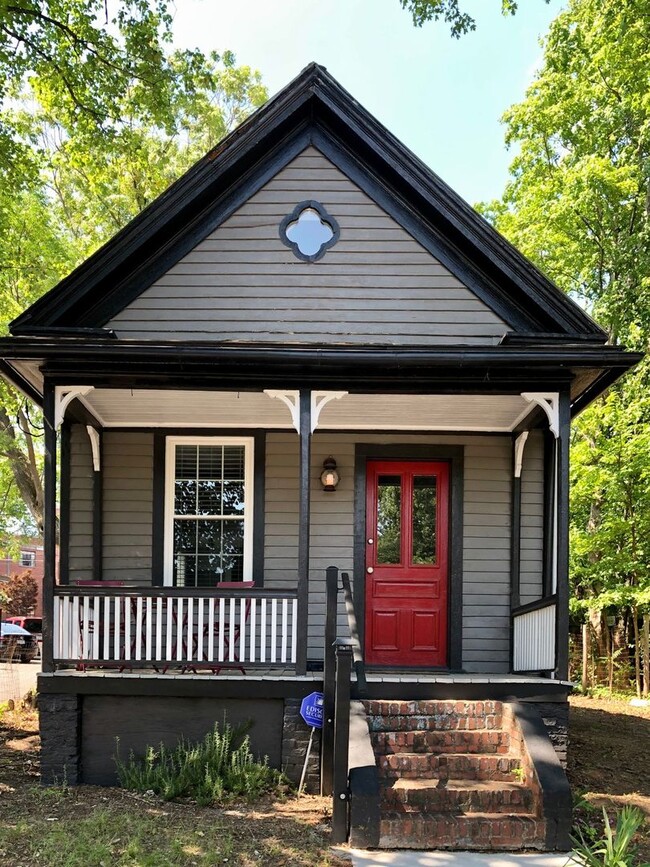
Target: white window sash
{"type": "Point", "coordinates": [170, 479]}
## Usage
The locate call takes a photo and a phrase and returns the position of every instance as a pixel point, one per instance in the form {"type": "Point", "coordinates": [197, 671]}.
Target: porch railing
{"type": "Point", "coordinates": [186, 628]}
{"type": "Point", "coordinates": [534, 636]}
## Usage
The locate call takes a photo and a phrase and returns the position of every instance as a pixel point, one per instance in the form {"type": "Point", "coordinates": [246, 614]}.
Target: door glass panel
{"type": "Point", "coordinates": [424, 521]}
{"type": "Point", "coordinates": [389, 519]}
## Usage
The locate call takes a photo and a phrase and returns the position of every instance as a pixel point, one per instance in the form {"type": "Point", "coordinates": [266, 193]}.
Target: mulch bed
{"type": "Point", "coordinates": [609, 760]}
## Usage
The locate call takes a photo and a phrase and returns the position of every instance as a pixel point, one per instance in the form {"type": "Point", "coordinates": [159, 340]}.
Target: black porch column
{"type": "Point", "coordinates": [562, 553]}
{"type": "Point", "coordinates": [49, 525]}
{"type": "Point", "coordinates": [98, 498]}
{"type": "Point", "coordinates": [303, 530]}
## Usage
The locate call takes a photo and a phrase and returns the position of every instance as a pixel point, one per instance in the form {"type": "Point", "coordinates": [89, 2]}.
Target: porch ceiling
{"type": "Point", "coordinates": [230, 409]}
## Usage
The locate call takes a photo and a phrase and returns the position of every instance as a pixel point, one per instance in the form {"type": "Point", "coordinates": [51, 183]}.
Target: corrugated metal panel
{"type": "Point", "coordinates": [534, 640]}
{"type": "Point", "coordinates": [376, 284]}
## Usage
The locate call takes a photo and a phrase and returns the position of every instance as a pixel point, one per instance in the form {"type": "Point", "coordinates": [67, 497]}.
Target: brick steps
{"type": "Point", "coordinates": [459, 766]}
{"type": "Point", "coordinates": [470, 831]}
{"type": "Point", "coordinates": [456, 796]}
{"type": "Point", "coordinates": [449, 777]}
{"type": "Point", "coordinates": [432, 741]}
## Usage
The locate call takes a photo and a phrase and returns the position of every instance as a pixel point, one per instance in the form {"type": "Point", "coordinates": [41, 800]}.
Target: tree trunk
{"type": "Point", "coordinates": [585, 656]}
{"type": "Point", "coordinates": [637, 649]}
{"type": "Point", "coordinates": [646, 655]}
{"type": "Point", "coordinates": [25, 474]}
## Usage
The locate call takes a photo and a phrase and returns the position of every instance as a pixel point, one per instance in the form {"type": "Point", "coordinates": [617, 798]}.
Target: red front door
{"type": "Point", "coordinates": [407, 529]}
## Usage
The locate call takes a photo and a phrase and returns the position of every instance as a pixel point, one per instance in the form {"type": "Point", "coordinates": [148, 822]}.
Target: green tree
{"type": "Point", "coordinates": [450, 11]}
{"type": "Point", "coordinates": [578, 204]}
{"type": "Point", "coordinates": [89, 181]}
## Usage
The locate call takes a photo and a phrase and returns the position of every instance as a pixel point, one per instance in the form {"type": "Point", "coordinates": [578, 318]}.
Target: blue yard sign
{"type": "Point", "coordinates": [311, 710]}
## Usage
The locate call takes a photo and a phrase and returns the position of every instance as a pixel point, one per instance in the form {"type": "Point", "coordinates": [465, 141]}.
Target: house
{"type": "Point", "coordinates": [309, 357]}
{"type": "Point", "coordinates": [29, 558]}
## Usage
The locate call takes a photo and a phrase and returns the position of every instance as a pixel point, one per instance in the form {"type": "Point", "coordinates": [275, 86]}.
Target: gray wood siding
{"type": "Point", "coordinates": [242, 283]}
{"type": "Point", "coordinates": [127, 504]}
{"type": "Point", "coordinates": [81, 505]}
{"type": "Point", "coordinates": [128, 494]}
{"type": "Point", "coordinates": [486, 559]}
{"type": "Point", "coordinates": [532, 518]}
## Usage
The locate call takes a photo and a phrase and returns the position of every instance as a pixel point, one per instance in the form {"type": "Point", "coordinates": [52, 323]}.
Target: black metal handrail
{"type": "Point", "coordinates": [357, 654]}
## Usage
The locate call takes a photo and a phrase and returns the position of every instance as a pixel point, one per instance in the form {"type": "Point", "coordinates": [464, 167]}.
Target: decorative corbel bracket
{"type": "Point", "coordinates": [320, 399]}
{"type": "Point", "coordinates": [549, 401]}
{"type": "Point", "coordinates": [520, 442]}
{"type": "Point", "coordinates": [292, 399]}
{"type": "Point", "coordinates": [95, 445]}
{"type": "Point", "coordinates": [63, 396]}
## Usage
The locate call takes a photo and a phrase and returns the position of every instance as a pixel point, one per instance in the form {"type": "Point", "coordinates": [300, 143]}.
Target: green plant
{"type": "Point", "coordinates": [216, 770]}
{"type": "Point", "coordinates": [519, 774]}
{"type": "Point", "coordinates": [614, 848]}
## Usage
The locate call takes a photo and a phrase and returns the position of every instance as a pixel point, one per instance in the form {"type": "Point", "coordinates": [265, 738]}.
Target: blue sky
{"type": "Point", "coordinates": [442, 97]}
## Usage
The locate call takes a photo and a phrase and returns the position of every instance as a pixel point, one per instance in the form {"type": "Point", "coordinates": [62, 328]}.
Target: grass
{"type": "Point", "coordinates": [90, 826]}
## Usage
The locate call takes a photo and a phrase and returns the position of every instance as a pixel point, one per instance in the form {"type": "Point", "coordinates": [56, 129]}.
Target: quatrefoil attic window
{"type": "Point", "coordinates": [309, 231]}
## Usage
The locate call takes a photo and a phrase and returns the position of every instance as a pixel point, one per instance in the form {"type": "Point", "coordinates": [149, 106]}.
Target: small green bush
{"type": "Point", "coordinates": [614, 848]}
{"type": "Point", "coordinates": [215, 771]}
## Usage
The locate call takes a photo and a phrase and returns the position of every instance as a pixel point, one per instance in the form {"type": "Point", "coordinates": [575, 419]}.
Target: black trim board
{"type": "Point", "coordinates": [18, 381]}
{"type": "Point", "coordinates": [555, 789]}
{"type": "Point", "coordinates": [313, 104]}
{"type": "Point", "coordinates": [455, 456]}
{"type": "Point", "coordinates": [183, 685]}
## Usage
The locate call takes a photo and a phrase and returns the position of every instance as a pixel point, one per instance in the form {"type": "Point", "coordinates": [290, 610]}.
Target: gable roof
{"type": "Point", "coordinates": [312, 109]}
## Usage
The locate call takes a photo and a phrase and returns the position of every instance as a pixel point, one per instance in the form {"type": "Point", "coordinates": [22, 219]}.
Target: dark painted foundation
{"type": "Point", "coordinates": [82, 734]}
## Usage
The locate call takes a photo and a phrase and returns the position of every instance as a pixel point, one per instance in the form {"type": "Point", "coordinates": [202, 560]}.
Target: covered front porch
{"type": "Point", "coordinates": [123, 605]}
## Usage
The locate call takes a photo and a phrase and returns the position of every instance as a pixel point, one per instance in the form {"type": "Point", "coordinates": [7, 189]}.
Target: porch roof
{"type": "Point", "coordinates": [507, 369]}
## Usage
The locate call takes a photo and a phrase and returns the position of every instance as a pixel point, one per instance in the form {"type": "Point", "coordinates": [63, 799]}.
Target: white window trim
{"type": "Point", "coordinates": [170, 477]}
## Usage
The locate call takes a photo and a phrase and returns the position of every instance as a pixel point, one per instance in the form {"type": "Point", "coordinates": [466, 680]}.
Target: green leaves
{"type": "Point", "coordinates": [577, 204]}
{"type": "Point", "coordinates": [459, 22]}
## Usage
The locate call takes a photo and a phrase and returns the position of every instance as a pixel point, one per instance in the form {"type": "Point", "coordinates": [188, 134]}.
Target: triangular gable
{"type": "Point", "coordinates": [312, 110]}
{"type": "Point", "coordinates": [376, 284]}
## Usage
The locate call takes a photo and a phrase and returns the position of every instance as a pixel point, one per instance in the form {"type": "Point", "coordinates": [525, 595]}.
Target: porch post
{"type": "Point", "coordinates": [98, 496]}
{"type": "Point", "coordinates": [562, 552]}
{"type": "Point", "coordinates": [303, 530]}
{"type": "Point", "coordinates": [49, 525]}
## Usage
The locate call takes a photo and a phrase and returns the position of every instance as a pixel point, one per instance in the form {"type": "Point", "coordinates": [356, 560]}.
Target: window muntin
{"type": "Point", "coordinates": [208, 510]}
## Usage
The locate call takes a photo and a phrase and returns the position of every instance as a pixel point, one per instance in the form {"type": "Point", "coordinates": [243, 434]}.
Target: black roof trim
{"type": "Point", "coordinates": [186, 352]}
{"type": "Point", "coordinates": [534, 338]}
{"type": "Point", "coordinates": [313, 107]}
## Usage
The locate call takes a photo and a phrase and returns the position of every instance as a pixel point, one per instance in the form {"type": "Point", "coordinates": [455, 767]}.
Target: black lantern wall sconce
{"type": "Point", "coordinates": [329, 477]}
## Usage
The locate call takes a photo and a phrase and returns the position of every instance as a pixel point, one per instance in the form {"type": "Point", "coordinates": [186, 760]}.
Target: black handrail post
{"type": "Point", "coordinates": [329, 678]}
{"type": "Point", "coordinates": [340, 794]}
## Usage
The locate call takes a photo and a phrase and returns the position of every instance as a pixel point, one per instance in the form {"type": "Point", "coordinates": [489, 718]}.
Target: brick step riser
{"type": "Point", "coordinates": [386, 743]}
{"type": "Point", "coordinates": [434, 708]}
{"type": "Point", "coordinates": [461, 832]}
{"type": "Point", "coordinates": [439, 723]}
{"type": "Point", "coordinates": [429, 766]}
{"type": "Point", "coordinates": [444, 801]}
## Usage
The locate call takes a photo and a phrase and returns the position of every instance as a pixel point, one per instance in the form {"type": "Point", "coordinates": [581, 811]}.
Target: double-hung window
{"type": "Point", "coordinates": [208, 510]}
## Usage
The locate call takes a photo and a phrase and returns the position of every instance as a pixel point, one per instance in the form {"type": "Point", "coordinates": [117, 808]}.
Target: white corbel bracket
{"type": "Point", "coordinates": [63, 396]}
{"type": "Point", "coordinates": [94, 437]}
{"type": "Point", "coordinates": [292, 399]}
{"type": "Point", "coordinates": [520, 442]}
{"type": "Point", "coordinates": [549, 401]}
{"type": "Point", "coordinates": [320, 399]}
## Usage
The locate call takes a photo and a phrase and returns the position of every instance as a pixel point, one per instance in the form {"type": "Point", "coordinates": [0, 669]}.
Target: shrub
{"type": "Point", "coordinates": [216, 770]}
{"type": "Point", "coordinates": [614, 848]}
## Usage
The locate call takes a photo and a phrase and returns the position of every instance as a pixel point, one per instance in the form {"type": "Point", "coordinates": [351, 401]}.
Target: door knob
{"type": "Point", "coordinates": [370, 570]}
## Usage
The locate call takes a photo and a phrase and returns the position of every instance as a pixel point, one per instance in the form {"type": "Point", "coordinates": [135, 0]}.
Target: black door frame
{"type": "Point", "coordinates": [454, 455]}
